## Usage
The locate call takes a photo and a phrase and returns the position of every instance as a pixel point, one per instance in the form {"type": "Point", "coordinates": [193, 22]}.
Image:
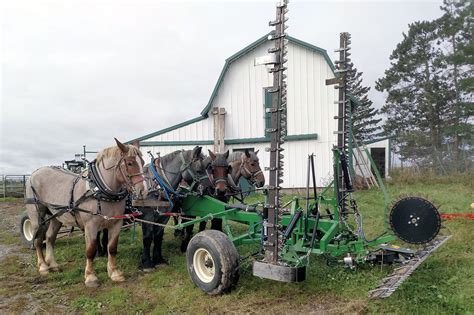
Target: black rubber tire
{"type": "Point", "coordinates": [225, 257]}
{"type": "Point", "coordinates": [26, 238]}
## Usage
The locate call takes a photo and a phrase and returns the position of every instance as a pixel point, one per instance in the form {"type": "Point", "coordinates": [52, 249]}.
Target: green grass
{"type": "Point", "coordinates": [10, 199]}
{"type": "Point", "coordinates": [442, 284]}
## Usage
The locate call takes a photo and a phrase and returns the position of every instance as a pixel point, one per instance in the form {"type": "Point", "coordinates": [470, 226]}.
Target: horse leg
{"type": "Point", "coordinates": [202, 226]}
{"type": "Point", "coordinates": [112, 270]}
{"type": "Point", "coordinates": [159, 231]}
{"type": "Point", "coordinates": [51, 235]}
{"type": "Point", "coordinates": [147, 232]}
{"type": "Point", "coordinates": [216, 224]}
{"type": "Point", "coordinates": [177, 232]}
{"type": "Point", "coordinates": [37, 215]}
{"type": "Point", "coordinates": [188, 233]}
{"type": "Point", "coordinates": [90, 231]}
{"type": "Point", "coordinates": [102, 243]}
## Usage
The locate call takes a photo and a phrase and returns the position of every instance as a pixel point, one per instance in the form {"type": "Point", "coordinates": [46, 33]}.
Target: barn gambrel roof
{"type": "Point", "coordinates": [205, 112]}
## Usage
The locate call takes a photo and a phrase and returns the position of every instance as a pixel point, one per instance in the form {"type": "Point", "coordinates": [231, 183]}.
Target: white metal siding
{"type": "Point", "coordinates": [311, 109]}
{"type": "Point", "coordinates": [241, 94]}
{"type": "Point", "coordinates": [200, 130]}
{"type": "Point", "coordinates": [311, 105]}
{"type": "Point", "coordinates": [163, 150]}
{"type": "Point", "coordinates": [296, 157]}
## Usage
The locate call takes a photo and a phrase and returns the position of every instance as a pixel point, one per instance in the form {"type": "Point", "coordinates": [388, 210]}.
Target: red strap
{"type": "Point", "coordinates": [127, 216]}
{"type": "Point", "coordinates": [453, 216]}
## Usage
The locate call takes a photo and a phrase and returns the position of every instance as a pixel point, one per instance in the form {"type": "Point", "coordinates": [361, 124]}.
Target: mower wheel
{"type": "Point", "coordinates": [213, 262]}
{"type": "Point", "coordinates": [26, 231]}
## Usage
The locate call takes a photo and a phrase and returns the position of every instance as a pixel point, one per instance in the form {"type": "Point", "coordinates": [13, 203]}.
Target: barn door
{"type": "Point", "coordinates": [378, 155]}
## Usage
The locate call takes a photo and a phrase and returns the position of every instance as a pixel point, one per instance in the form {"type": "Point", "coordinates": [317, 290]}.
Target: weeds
{"type": "Point", "coordinates": [442, 284]}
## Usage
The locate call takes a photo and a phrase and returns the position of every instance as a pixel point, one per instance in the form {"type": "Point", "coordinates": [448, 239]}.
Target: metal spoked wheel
{"type": "Point", "coordinates": [213, 262]}
{"type": "Point", "coordinates": [204, 265]}
{"type": "Point", "coordinates": [26, 231]}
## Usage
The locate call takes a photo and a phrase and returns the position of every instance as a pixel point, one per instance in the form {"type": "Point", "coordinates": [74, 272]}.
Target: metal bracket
{"type": "Point", "coordinates": [279, 272]}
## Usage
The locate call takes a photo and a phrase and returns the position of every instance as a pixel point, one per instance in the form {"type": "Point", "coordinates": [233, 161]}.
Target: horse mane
{"type": "Point", "coordinates": [115, 152]}
{"type": "Point", "coordinates": [169, 157]}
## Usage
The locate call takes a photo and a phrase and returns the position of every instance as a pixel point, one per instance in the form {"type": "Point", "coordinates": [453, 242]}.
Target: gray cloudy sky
{"type": "Point", "coordinates": [82, 72]}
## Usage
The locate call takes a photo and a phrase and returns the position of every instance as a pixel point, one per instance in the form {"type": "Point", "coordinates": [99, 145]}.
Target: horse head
{"type": "Point", "coordinates": [218, 171]}
{"type": "Point", "coordinates": [193, 167]}
{"type": "Point", "coordinates": [250, 168]}
{"type": "Point", "coordinates": [127, 165]}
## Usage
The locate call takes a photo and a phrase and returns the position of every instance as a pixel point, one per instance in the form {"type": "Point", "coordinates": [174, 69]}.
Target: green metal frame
{"type": "Point", "coordinates": [335, 236]}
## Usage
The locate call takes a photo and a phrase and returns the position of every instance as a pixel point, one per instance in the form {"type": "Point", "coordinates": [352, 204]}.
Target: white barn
{"type": "Point", "coordinates": [241, 91]}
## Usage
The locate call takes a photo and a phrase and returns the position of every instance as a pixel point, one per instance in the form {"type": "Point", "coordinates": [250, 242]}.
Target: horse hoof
{"type": "Point", "coordinates": [43, 270]}
{"type": "Point", "coordinates": [117, 276]}
{"type": "Point", "coordinates": [149, 269]}
{"type": "Point", "coordinates": [54, 268]}
{"type": "Point", "coordinates": [161, 261]}
{"type": "Point", "coordinates": [92, 283]}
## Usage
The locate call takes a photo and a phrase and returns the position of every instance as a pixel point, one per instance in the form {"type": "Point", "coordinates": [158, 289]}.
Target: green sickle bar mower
{"type": "Point", "coordinates": [328, 223]}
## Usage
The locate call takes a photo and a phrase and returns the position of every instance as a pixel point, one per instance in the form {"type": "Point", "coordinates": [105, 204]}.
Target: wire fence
{"type": "Point", "coordinates": [13, 185]}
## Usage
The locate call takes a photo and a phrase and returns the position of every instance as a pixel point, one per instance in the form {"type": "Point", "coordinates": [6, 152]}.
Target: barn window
{"type": "Point", "coordinates": [267, 103]}
{"type": "Point", "coordinates": [243, 150]}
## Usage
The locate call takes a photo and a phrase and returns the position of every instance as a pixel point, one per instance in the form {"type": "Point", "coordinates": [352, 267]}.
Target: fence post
{"type": "Point", "coordinates": [4, 186]}
{"type": "Point", "coordinates": [24, 185]}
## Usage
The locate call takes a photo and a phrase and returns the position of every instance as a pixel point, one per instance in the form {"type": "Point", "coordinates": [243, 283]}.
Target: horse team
{"type": "Point", "coordinates": [95, 200]}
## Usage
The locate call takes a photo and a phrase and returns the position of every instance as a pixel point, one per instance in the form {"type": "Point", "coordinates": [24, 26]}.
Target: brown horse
{"type": "Point", "coordinates": [246, 164]}
{"type": "Point", "coordinates": [55, 196]}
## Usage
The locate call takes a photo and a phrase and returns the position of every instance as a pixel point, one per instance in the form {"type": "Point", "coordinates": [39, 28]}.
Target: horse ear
{"type": "Point", "coordinates": [212, 155]}
{"type": "Point", "coordinates": [226, 154]}
{"type": "Point", "coordinates": [256, 152]}
{"type": "Point", "coordinates": [197, 151]}
{"type": "Point", "coordinates": [121, 146]}
{"type": "Point", "coordinates": [247, 153]}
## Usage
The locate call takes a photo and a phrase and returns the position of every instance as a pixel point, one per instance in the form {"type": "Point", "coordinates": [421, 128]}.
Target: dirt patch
{"type": "Point", "coordinates": [21, 291]}
{"type": "Point", "coordinates": [10, 214]}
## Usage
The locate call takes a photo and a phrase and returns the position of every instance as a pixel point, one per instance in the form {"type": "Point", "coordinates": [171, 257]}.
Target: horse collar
{"type": "Point", "coordinates": [100, 189]}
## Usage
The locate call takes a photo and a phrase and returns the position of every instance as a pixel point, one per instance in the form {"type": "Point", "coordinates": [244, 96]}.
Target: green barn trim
{"type": "Point", "coordinates": [311, 136]}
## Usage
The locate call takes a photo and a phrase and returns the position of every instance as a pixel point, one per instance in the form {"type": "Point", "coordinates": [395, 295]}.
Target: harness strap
{"type": "Point", "coordinates": [159, 168]}
{"type": "Point", "coordinates": [232, 183]}
{"type": "Point", "coordinates": [101, 190]}
{"type": "Point", "coordinates": [168, 190]}
{"type": "Point", "coordinates": [185, 168]}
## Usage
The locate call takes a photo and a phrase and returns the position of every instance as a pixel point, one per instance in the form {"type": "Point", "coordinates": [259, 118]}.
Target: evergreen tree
{"type": "Point", "coordinates": [416, 105]}
{"type": "Point", "coordinates": [455, 36]}
{"type": "Point", "coordinates": [365, 124]}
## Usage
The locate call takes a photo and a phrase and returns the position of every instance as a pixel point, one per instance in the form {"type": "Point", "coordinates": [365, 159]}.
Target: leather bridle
{"type": "Point", "coordinates": [250, 176]}
{"type": "Point", "coordinates": [122, 167]}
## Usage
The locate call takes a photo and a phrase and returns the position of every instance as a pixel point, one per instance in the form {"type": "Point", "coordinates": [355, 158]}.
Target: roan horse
{"type": "Point", "coordinates": [55, 196]}
{"type": "Point", "coordinates": [188, 166]}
